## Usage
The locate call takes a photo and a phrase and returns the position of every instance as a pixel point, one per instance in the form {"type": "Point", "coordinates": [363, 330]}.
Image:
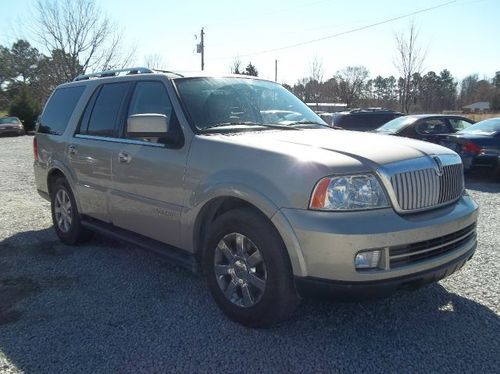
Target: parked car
{"type": "Point", "coordinates": [239, 178]}
{"type": "Point", "coordinates": [11, 126]}
{"type": "Point", "coordinates": [478, 145]}
{"type": "Point", "coordinates": [363, 119]}
{"type": "Point", "coordinates": [429, 127]}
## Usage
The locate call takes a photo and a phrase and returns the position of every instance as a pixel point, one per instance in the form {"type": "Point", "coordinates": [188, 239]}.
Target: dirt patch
{"type": "Point", "coordinates": [12, 291]}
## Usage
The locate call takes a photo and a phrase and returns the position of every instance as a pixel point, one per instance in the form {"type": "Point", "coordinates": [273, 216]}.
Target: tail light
{"type": "Point", "coordinates": [470, 147]}
{"type": "Point", "coordinates": [35, 148]}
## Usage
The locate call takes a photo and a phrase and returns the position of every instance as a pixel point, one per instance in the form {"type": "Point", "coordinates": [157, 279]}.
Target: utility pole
{"type": "Point", "coordinates": [275, 70]}
{"type": "Point", "coordinates": [202, 47]}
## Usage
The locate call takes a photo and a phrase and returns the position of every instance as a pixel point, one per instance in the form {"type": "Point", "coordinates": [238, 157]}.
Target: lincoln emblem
{"type": "Point", "coordinates": [439, 165]}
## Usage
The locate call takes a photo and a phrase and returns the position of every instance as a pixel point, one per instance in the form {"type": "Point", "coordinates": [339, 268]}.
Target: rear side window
{"type": "Point", "coordinates": [106, 110]}
{"type": "Point", "coordinates": [59, 109]}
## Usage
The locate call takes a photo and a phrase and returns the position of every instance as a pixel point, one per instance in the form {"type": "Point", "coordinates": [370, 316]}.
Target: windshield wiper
{"type": "Point", "coordinates": [229, 124]}
{"type": "Point", "coordinates": [305, 122]}
{"type": "Point", "coordinates": [248, 123]}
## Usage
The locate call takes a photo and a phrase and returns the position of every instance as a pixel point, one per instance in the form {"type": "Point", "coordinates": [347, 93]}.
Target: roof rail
{"type": "Point", "coordinates": [168, 72]}
{"type": "Point", "coordinates": [113, 73]}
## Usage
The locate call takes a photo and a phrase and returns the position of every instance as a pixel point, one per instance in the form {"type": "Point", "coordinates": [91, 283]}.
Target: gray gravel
{"type": "Point", "coordinates": [109, 307]}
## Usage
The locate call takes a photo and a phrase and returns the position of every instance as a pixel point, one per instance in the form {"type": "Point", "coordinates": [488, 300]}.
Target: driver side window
{"type": "Point", "coordinates": [152, 98]}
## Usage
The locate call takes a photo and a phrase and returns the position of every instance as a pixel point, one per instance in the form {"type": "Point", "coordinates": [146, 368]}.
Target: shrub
{"type": "Point", "coordinates": [25, 108]}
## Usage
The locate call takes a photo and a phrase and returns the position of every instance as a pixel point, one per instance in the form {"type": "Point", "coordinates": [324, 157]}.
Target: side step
{"type": "Point", "coordinates": [175, 255]}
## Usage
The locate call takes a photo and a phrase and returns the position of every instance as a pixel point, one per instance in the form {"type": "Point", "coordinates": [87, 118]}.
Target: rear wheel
{"type": "Point", "coordinates": [248, 269]}
{"type": "Point", "coordinates": [65, 216]}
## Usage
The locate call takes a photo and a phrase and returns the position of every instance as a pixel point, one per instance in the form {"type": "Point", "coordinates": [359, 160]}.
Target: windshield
{"type": "Point", "coordinates": [10, 120]}
{"type": "Point", "coordinates": [243, 103]}
{"type": "Point", "coordinates": [396, 124]}
{"type": "Point", "coordinates": [486, 127]}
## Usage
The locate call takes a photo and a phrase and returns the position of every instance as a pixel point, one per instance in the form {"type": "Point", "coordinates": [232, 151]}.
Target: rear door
{"type": "Point", "coordinates": [148, 173]}
{"type": "Point", "coordinates": [90, 150]}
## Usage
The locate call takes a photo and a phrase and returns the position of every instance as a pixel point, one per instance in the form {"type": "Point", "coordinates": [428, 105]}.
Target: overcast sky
{"type": "Point", "coordinates": [463, 36]}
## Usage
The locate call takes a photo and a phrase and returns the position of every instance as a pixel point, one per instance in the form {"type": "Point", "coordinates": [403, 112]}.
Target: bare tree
{"type": "Point", "coordinates": [409, 60]}
{"type": "Point", "coordinates": [351, 83]}
{"type": "Point", "coordinates": [236, 66]}
{"type": "Point", "coordinates": [316, 78]}
{"type": "Point", "coordinates": [155, 61]}
{"type": "Point", "coordinates": [79, 31]}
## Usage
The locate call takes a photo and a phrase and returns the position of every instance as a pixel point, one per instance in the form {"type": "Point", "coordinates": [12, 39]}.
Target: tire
{"type": "Point", "coordinates": [262, 289]}
{"type": "Point", "coordinates": [65, 216]}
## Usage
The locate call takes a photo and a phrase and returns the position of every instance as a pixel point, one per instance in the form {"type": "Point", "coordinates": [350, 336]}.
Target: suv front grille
{"type": "Point", "coordinates": [424, 188]}
{"type": "Point", "coordinates": [415, 252]}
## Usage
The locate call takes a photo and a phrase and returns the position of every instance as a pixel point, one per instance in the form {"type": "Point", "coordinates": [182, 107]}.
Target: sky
{"type": "Point", "coordinates": [462, 36]}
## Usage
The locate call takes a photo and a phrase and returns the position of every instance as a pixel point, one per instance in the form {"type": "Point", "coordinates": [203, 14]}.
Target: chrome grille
{"type": "Point", "coordinates": [424, 188]}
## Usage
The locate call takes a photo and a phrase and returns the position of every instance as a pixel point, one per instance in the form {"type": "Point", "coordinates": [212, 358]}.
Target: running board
{"type": "Point", "coordinates": [173, 254]}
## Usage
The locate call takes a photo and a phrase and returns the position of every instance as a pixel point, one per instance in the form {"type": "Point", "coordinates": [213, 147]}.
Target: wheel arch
{"type": "Point", "coordinates": [60, 171]}
{"type": "Point", "coordinates": [217, 206]}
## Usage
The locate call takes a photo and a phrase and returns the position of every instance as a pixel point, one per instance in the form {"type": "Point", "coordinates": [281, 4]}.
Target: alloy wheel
{"type": "Point", "coordinates": [63, 210]}
{"type": "Point", "coordinates": [240, 270]}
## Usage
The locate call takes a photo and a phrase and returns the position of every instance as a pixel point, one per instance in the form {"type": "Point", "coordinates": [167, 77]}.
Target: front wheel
{"type": "Point", "coordinates": [248, 269]}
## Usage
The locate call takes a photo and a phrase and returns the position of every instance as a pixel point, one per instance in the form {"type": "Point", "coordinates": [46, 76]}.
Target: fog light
{"type": "Point", "coordinates": [368, 259]}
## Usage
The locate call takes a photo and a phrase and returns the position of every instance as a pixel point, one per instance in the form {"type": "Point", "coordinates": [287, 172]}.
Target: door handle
{"type": "Point", "coordinates": [72, 150]}
{"type": "Point", "coordinates": [124, 157]}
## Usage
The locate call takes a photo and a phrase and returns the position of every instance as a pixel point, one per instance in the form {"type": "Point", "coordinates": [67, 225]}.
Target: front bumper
{"type": "Point", "coordinates": [348, 291]}
{"type": "Point", "coordinates": [11, 131]}
{"type": "Point", "coordinates": [329, 241]}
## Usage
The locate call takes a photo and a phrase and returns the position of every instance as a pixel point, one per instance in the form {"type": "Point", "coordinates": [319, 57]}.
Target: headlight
{"type": "Point", "coordinates": [348, 192]}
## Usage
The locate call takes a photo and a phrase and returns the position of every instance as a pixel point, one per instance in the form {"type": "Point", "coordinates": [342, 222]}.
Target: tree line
{"type": "Point", "coordinates": [429, 92]}
{"type": "Point", "coordinates": [76, 37]}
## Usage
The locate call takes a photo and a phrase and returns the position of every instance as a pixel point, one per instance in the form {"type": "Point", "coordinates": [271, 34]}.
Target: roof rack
{"type": "Point", "coordinates": [113, 73]}
{"type": "Point", "coordinates": [168, 72]}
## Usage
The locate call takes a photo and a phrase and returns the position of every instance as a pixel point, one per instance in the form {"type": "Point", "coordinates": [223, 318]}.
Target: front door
{"type": "Point", "coordinates": [148, 173]}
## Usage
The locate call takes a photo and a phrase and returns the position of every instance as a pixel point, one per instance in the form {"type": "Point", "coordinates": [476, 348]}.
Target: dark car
{"type": "Point", "coordinates": [363, 119]}
{"type": "Point", "coordinates": [11, 126]}
{"type": "Point", "coordinates": [429, 127]}
{"type": "Point", "coordinates": [478, 145]}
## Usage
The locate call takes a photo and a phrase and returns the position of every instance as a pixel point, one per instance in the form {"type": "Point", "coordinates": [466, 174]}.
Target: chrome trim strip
{"type": "Point", "coordinates": [471, 233]}
{"type": "Point", "coordinates": [120, 140]}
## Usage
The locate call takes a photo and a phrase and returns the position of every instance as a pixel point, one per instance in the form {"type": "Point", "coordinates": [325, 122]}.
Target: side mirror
{"type": "Point", "coordinates": [148, 125]}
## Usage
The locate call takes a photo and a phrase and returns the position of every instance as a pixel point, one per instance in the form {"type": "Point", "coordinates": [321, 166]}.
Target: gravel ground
{"type": "Point", "coordinates": [109, 307]}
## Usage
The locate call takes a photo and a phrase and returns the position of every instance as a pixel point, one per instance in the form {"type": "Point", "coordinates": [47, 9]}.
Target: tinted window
{"type": "Point", "coordinates": [106, 109]}
{"type": "Point", "coordinates": [152, 97]}
{"type": "Point", "coordinates": [433, 126]}
{"type": "Point", "coordinates": [58, 111]}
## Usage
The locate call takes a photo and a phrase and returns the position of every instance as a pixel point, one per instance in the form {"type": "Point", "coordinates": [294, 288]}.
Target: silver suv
{"type": "Point", "coordinates": [236, 177]}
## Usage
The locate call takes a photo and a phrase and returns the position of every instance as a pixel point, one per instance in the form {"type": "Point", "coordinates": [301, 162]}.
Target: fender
{"type": "Point", "coordinates": [253, 197]}
{"type": "Point", "coordinates": [57, 165]}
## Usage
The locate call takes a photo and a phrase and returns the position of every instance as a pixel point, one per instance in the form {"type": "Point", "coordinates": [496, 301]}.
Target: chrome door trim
{"type": "Point", "coordinates": [119, 140]}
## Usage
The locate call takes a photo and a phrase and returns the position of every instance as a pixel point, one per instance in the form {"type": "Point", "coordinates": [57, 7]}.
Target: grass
{"type": "Point", "coordinates": [481, 116]}
{"type": "Point", "coordinates": [3, 113]}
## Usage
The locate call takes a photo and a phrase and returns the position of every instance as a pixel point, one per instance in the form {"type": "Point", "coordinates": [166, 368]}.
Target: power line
{"type": "Point", "coordinates": [260, 15]}
{"type": "Point", "coordinates": [343, 32]}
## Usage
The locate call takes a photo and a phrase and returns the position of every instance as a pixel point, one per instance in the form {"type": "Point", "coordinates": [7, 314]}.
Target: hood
{"type": "Point", "coordinates": [368, 148]}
